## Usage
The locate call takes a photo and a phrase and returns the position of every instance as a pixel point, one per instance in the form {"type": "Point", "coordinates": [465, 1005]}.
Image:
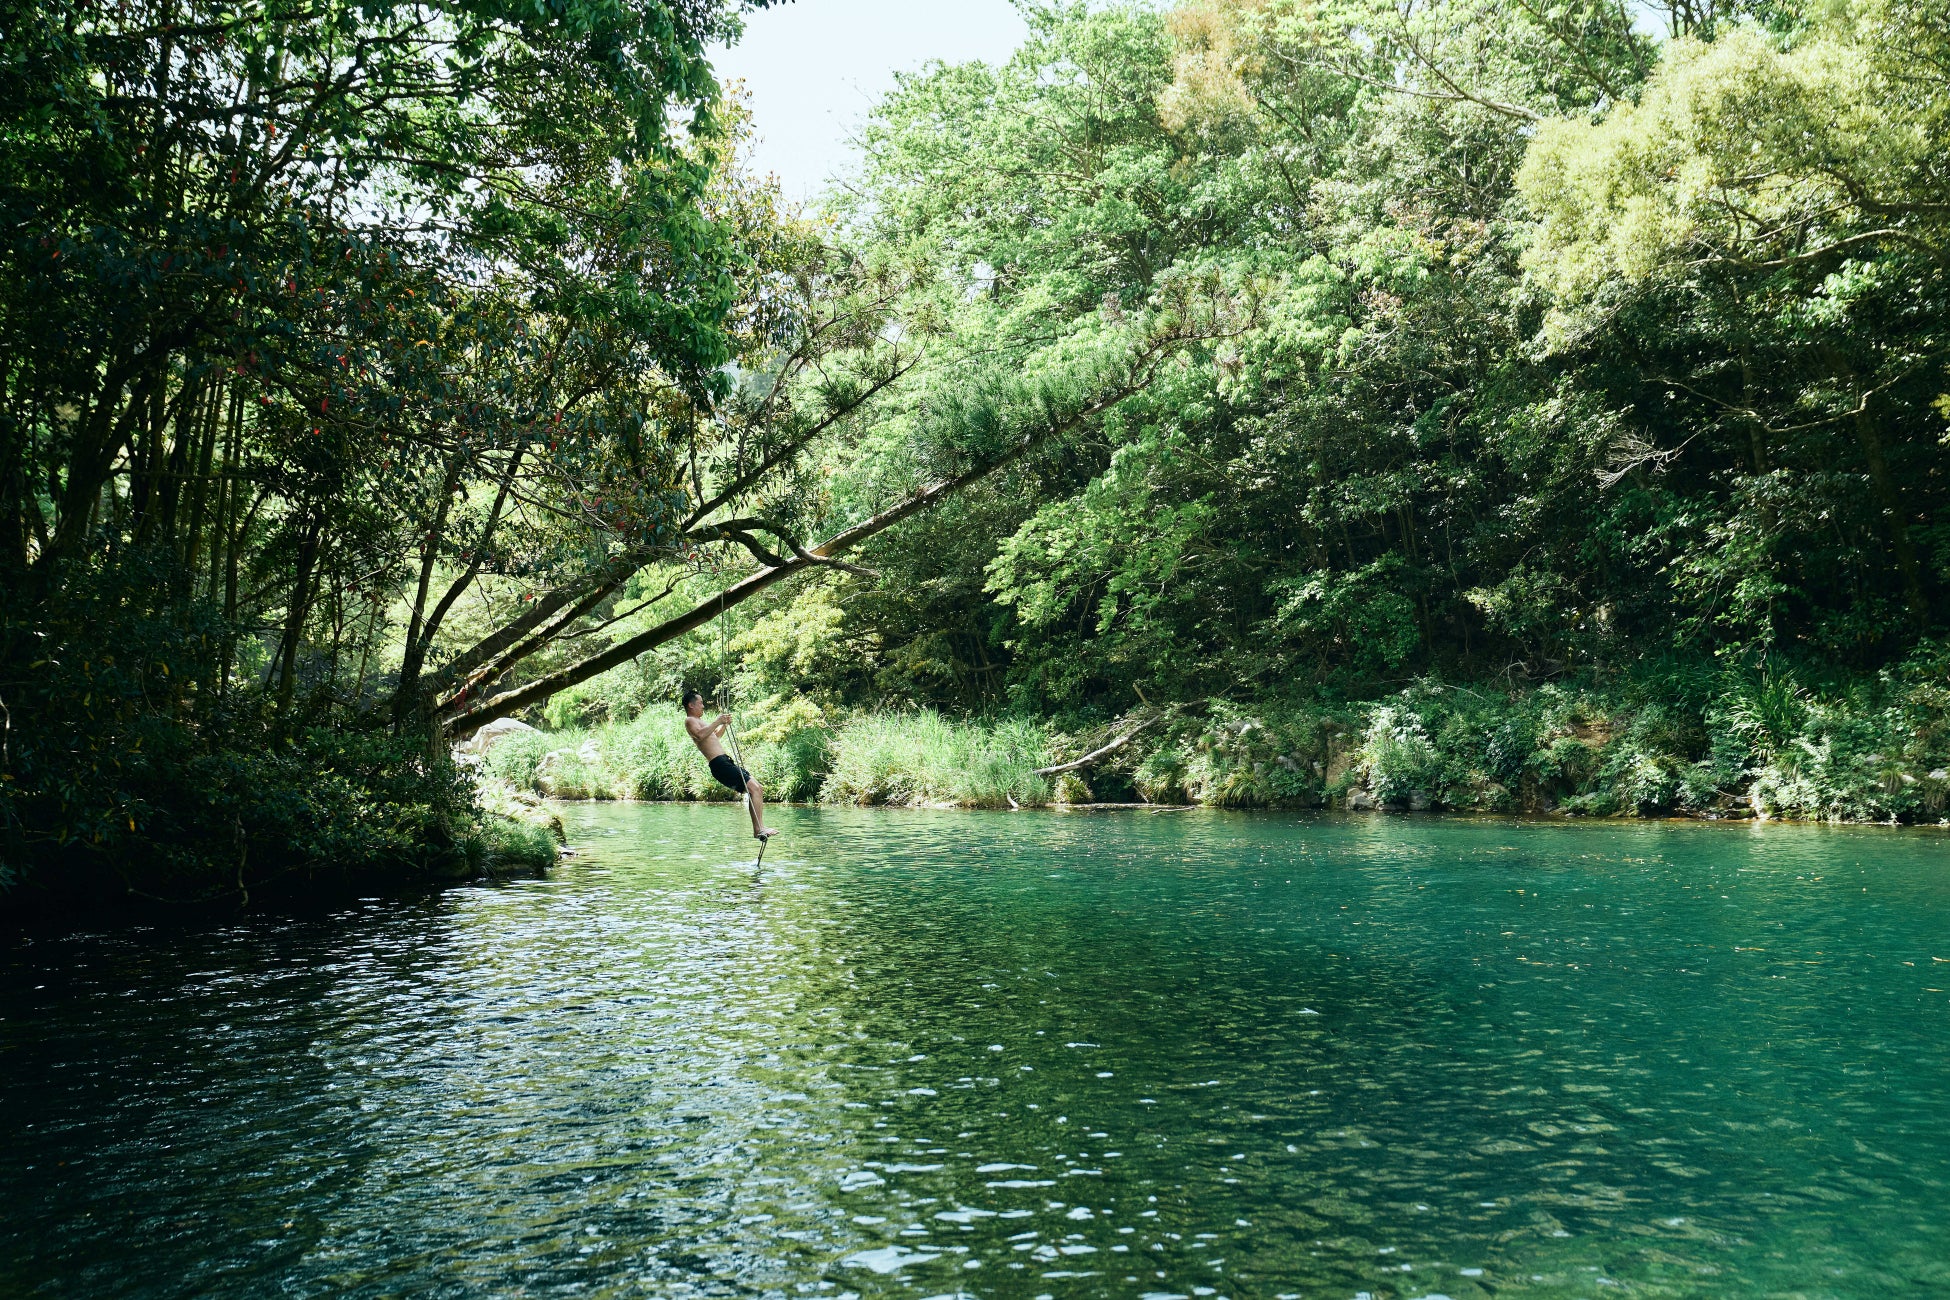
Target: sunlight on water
{"type": "Point", "coordinates": [1156, 1055]}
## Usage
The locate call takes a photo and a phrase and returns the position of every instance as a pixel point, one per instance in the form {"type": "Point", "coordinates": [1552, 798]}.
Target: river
{"type": "Point", "coordinates": [1034, 1055]}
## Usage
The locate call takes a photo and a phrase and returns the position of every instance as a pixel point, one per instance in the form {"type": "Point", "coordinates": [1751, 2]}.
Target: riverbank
{"type": "Point", "coordinates": [507, 835]}
{"type": "Point", "coordinates": [1720, 748]}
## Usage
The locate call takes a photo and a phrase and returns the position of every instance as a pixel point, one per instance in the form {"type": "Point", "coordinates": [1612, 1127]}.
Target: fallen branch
{"type": "Point", "coordinates": [1096, 754]}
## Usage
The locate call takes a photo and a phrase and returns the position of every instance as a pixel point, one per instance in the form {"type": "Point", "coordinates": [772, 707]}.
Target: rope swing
{"type": "Point", "coordinates": [724, 683]}
{"type": "Point", "coordinates": [724, 688]}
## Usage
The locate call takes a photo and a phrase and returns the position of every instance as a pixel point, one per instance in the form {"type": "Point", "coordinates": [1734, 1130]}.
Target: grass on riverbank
{"type": "Point", "coordinates": [925, 759]}
{"type": "Point", "coordinates": [518, 834]}
{"type": "Point", "coordinates": [914, 759]}
{"type": "Point", "coordinates": [1682, 742]}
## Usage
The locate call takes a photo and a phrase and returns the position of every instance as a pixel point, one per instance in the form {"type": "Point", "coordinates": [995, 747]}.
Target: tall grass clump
{"type": "Point", "coordinates": [507, 846]}
{"type": "Point", "coordinates": [790, 748]}
{"type": "Point", "coordinates": [650, 757]}
{"type": "Point", "coordinates": [515, 759]}
{"type": "Point", "coordinates": [922, 758]}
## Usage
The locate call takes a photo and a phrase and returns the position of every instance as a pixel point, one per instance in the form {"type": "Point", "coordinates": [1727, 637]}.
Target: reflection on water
{"type": "Point", "coordinates": [1035, 1055]}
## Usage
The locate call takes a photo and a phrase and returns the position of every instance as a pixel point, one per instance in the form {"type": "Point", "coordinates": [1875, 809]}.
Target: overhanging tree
{"type": "Point", "coordinates": [299, 300]}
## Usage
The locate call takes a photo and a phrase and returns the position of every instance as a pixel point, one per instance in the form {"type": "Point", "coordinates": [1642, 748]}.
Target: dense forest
{"type": "Point", "coordinates": [1419, 403]}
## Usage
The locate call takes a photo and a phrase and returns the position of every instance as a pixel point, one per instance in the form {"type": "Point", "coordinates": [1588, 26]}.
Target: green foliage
{"type": "Point", "coordinates": [1767, 711]}
{"type": "Point", "coordinates": [515, 760]}
{"type": "Point", "coordinates": [1527, 409]}
{"type": "Point", "coordinates": [505, 802]}
{"type": "Point", "coordinates": [651, 757]}
{"type": "Point", "coordinates": [789, 747]}
{"type": "Point", "coordinates": [1750, 743]}
{"type": "Point", "coordinates": [1636, 747]}
{"type": "Point", "coordinates": [1242, 758]}
{"type": "Point", "coordinates": [315, 319]}
{"type": "Point", "coordinates": [796, 753]}
{"type": "Point", "coordinates": [1230, 365]}
{"type": "Point", "coordinates": [922, 758]}
{"type": "Point", "coordinates": [143, 770]}
{"type": "Point", "coordinates": [1521, 391]}
{"type": "Point", "coordinates": [1523, 410]}
{"type": "Point", "coordinates": [1358, 621]}
{"type": "Point", "coordinates": [508, 846]}
{"type": "Point", "coordinates": [1678, 740]}
{"type": "Point", "coordinates": [616, 696]}
{"type": "Point", "coordinates": [1401, 764]}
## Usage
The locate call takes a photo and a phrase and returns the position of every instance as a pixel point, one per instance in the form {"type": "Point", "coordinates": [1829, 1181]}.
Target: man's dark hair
{"type": "Point", "coordinates": [692, 695]}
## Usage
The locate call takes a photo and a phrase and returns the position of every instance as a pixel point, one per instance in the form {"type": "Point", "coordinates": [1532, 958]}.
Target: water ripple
{"type": "Point", "coordinates": [944, 1055]}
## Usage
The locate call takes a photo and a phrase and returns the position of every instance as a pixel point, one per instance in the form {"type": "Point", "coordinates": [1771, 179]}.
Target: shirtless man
{"type": "Point", "coordinates": [729, 774]}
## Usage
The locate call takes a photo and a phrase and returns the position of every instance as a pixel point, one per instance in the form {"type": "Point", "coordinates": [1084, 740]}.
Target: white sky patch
{"type": "Point", "coordinates": [813, 69]}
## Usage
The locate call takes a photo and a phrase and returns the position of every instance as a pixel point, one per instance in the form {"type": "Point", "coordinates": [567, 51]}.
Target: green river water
{"type": "Point", "coordinates": [1151, 1054]}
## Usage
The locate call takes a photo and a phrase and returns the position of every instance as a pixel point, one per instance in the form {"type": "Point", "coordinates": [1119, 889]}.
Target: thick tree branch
{"type": "Point", "coordinates": [546, 618]}
{"type": "Point", "coordinates": [508, 702]}
{"type": "Point", "coordinates": [793, 446]}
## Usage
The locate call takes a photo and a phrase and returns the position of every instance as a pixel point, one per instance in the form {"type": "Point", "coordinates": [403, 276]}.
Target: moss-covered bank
{"type": "Point", "coordinates": [312, 819]}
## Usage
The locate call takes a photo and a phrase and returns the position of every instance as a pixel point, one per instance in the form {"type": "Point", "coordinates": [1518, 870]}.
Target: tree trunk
{"type": "Point", "coordinates": [1869, 434]}
{"type": "Point", "coordinates": [406, 699]}
{"type": "Point", "coordinates": [294, 622]}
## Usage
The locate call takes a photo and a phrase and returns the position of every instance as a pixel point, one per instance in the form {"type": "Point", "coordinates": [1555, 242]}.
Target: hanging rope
{"type": "Point", "coordinates": [724, 666]}
{"type": "Point", "coordinates": [724, 689]}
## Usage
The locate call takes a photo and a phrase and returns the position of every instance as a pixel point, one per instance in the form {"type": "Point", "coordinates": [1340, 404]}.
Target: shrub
{"type": "Point", "coordinates": [1071, 788]}
{"type": "Point", "coordinates": [1275, 758]}
{"type": "Point", "coordinates": [506, 802]}
{"type": "Point", "coordinates": [1403, 766]}
{"type": "Point", "coordinates": [504, 846]}
{"type": "Point", "coordinates": [790, 751]}
{"type": "Point", "coordinates": [652, 758]}
{"type": "Point", "coordinates": [1161, 776]}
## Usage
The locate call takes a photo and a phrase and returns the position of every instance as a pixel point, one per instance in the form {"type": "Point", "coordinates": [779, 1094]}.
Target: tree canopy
{"type": "Point", "coordinates": [299, 300]}
{"type": "Point", "coordinates": [1585, 342]}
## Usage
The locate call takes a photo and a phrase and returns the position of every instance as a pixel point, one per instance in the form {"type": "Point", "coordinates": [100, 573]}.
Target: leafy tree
{"type": "Point", "coordinates": [299, 300]}
{"type": "Point", "coordinates": [1765, 231]}
{"type": "Point", "coordinates": [1582, 343]}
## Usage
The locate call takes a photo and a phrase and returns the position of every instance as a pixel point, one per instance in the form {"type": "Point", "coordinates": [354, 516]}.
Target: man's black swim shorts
{"type": "Point", "coordinates": [729, 774]}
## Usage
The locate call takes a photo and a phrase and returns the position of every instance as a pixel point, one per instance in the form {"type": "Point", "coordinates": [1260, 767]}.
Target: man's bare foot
{"type": "Point", "coordinates": [765, 834]}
